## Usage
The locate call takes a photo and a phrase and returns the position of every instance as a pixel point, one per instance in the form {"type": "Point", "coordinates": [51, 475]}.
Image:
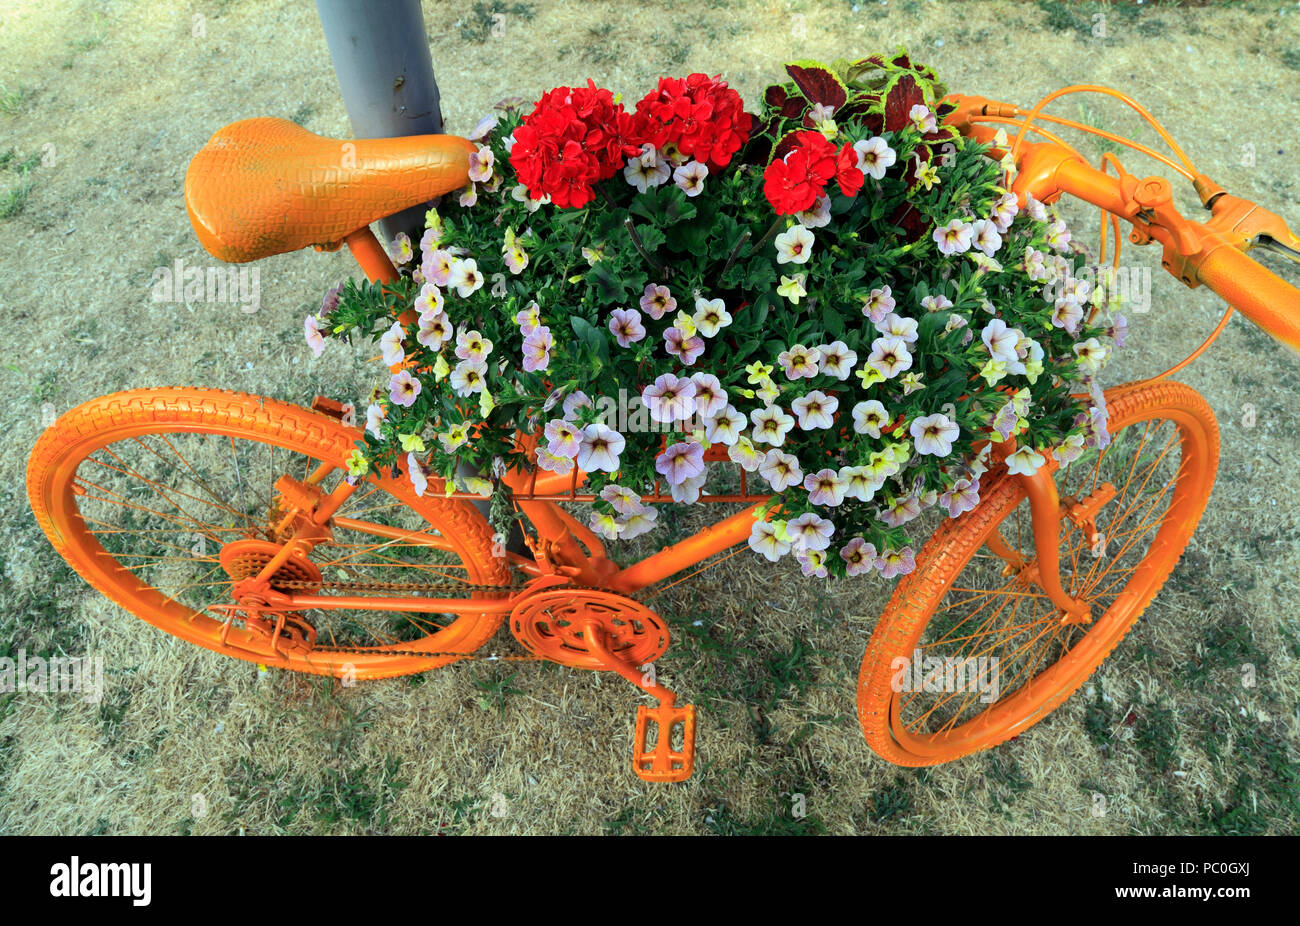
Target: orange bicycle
{"type": "Point", "coordinates": [231, 521]}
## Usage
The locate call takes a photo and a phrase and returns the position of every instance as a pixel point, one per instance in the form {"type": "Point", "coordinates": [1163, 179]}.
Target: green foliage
{"type": "Point", "coordinates": [582, 264]}
{"type": "Point", "coordinates": [891, 802]}
{"type": "Point", "coordinates": [11, 99]}
{"type": "Point", "coordinates": [495, 690]}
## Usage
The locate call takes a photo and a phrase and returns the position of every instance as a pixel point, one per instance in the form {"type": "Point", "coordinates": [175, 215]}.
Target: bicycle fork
{"type": "Point", "coordinates": [1046, 511]}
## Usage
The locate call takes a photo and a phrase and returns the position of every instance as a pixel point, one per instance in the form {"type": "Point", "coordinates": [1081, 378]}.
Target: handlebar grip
{"type": "Point", "coordinates": [1261, 295]}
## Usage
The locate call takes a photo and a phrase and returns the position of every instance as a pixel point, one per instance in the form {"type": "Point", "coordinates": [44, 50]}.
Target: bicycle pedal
{"type": "Point", "coordinates": [663, 763]}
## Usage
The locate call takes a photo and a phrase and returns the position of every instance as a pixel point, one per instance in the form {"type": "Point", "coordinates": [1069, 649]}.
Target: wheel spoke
{"type": "Point", "coordinates": [986, 609]}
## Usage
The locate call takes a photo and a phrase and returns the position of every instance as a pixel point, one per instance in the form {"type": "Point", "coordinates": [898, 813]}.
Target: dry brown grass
{"type": "Point", "coordinates": [126, 96]}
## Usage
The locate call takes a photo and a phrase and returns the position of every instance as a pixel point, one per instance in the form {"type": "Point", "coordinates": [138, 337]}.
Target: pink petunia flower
{"type": "Point", "coordinates": [435, 329]}
{"type": "Point", "coordinates": [469, 377]}
{"type": "Point", "coordinates": [901, 510]}
{"type": "Point", "coordinates": [890, 356]}
{"type": "Point", "coordinates": [685, 349]}
{"type": "Point", "coordinates": [1000, 340]}
{"type": "Point", "coordinates": [815, 410]}
{"type": "Point", "coordinates": [600, 448]}
{"type": "Point", "coordinates": [563, 438]}
{"type": "Point", "coordinates": [825, 487]}
{"type": "Point", "coordinates": [837, 359]}
{"type": "Point", "coordinates": [963, 496]}
{"type": "Point", "coordinates": [771, 425]}
{"type": "Point", "coordinates": [670, 398]}
{"type": "Point", "coordinates": [800, 362]}
{"type": "Point", "coordinates": [680, 462]}
{"type": "Point", "coordinates": [763, 539]}
{"type": "Point", "coordinates": [315, 339]}
{"type": "Point", "coordinates": [878, 304]}
{"type": "Point", "coordinates": [690, 178]}
{"type": "Point", "coordinates": [656, 300]}
{"type": "Point", "coordinates": [626, 326]}
{"type": "Point", "coordinates": [953, 238]}
{"type": "Point", "coordinates": [810, 532]}
{"type": "Point", "coordinates": [934, 434]}
{"type": "Point", "coordinates": [812, 563]}
{"type": "Point", "coordinates": [859, 556]}
{"type": "Point", "coordinates": [710, 397]}
{"type": "Point", "coordinates": [537, 349]}
{"type": "Point", "coordinates": [869, 417]}
{"type": "Point", "coordinates": [781, 470]}
{"type": "Point", "coordinates": [404, 389]}
{"type": "Point", "coordinates": [896, 562]}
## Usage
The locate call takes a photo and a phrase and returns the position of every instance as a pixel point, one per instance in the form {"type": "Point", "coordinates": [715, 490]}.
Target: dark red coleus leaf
{"type": "Point", "coordinates": [788, 106]}
{"type": "Point", "coordinates": [910, 221]}
{"type": "Point", "coordinates": [902, 96]}
{"type": "Point", "coordinates": [818, 84]}
{"type": "Point", "coordinates": [785, 145]}
{"type": "Point", "coordinates": [758, 150]}
{"type": "Point", "coordinates": [858, 104]}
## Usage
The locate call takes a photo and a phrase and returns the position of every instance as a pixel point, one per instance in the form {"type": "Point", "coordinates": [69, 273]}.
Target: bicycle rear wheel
{"type": "Point", "coordinates": [964, 603]}
{"type": "Point", "coordinates": [162, 498]}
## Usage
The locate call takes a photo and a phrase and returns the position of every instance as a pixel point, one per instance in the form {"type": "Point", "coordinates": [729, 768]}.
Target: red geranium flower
{"type": "Point", "coordinates": [847, 174]}
{"type": "Point", "coordinates": [574, 137]}
{"type": "Point", "coordinates": [701, 115]}
{"type": "Point", "coordinates": [793, 183]}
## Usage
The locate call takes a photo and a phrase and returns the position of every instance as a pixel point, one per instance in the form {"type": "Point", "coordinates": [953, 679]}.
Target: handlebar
{"type": "Point", "coordinates": [1261, 295]}
{"type": "Point", "coordinates": [1210, 253]}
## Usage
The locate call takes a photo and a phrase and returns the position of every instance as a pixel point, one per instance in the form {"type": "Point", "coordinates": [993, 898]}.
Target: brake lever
{"type": "Point", "coordinates": [1273, 245]}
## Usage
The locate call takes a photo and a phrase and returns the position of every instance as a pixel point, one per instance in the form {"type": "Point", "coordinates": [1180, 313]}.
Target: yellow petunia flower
{"type": "Point", "coordinates": [792, 288]}
{"type": "Point", "coordinates": [411, 443]}
{"type": "Point", "coordinates": [869, 376]}
{"type": "Point", "coordinates": [475, 484]}
{"type": "Point", "coordinates": [758, 371]}
{"type": "Point", "coordinates": [685, 324]}
{"type": "Point", "coordinates": [993, 371]}
{"type": "Point", "coordinates": [357, 463]}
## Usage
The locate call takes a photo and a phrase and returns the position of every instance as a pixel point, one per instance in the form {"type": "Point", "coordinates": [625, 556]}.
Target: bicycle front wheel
{"type": "Point", "coordinates": [162, 499]}
{"type": "Point", "coordinates": [970, 651]}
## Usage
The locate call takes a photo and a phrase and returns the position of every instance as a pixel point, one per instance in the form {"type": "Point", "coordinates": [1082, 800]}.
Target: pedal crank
{"type": "Point", "coordinates": [605, 631]}
{"type": "Point", "coordinates": [660, 762]}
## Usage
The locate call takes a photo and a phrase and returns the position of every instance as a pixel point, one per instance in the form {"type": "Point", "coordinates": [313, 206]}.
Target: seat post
{"type": "Point", "coordinates": [385, 72]}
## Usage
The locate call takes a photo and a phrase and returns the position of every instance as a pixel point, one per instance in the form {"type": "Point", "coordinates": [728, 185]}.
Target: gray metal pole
{"type": "Point", "coordinates": [385, 72]}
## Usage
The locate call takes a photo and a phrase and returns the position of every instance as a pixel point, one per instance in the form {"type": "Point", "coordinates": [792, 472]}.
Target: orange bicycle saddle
{"type": "Point", "coordinates": [266, 186]}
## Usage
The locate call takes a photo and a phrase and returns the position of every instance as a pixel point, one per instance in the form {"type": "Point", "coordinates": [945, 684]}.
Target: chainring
{"type": "Point", "coordinates": [549, 623]}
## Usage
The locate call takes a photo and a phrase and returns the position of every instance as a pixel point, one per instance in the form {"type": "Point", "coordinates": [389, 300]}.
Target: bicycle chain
{"type": "Point", "coordinates": [426, 587]}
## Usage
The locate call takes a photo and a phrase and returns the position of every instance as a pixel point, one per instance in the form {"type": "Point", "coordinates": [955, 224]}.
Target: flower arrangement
{"type": "Point", "coordinates": [838, 290]}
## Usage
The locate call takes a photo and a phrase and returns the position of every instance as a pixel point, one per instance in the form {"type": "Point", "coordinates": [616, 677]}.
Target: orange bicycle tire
{"type": "Point", "coordinates": [948, 553]}
{"type": "Point", "coordinates": [52, 469]}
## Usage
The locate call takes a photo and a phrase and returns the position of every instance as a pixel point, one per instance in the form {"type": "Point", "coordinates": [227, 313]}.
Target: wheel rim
{"type": "Point", "coordinates": [150, 508]}
{"type": "Point", "coordinates": [992, 609]}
